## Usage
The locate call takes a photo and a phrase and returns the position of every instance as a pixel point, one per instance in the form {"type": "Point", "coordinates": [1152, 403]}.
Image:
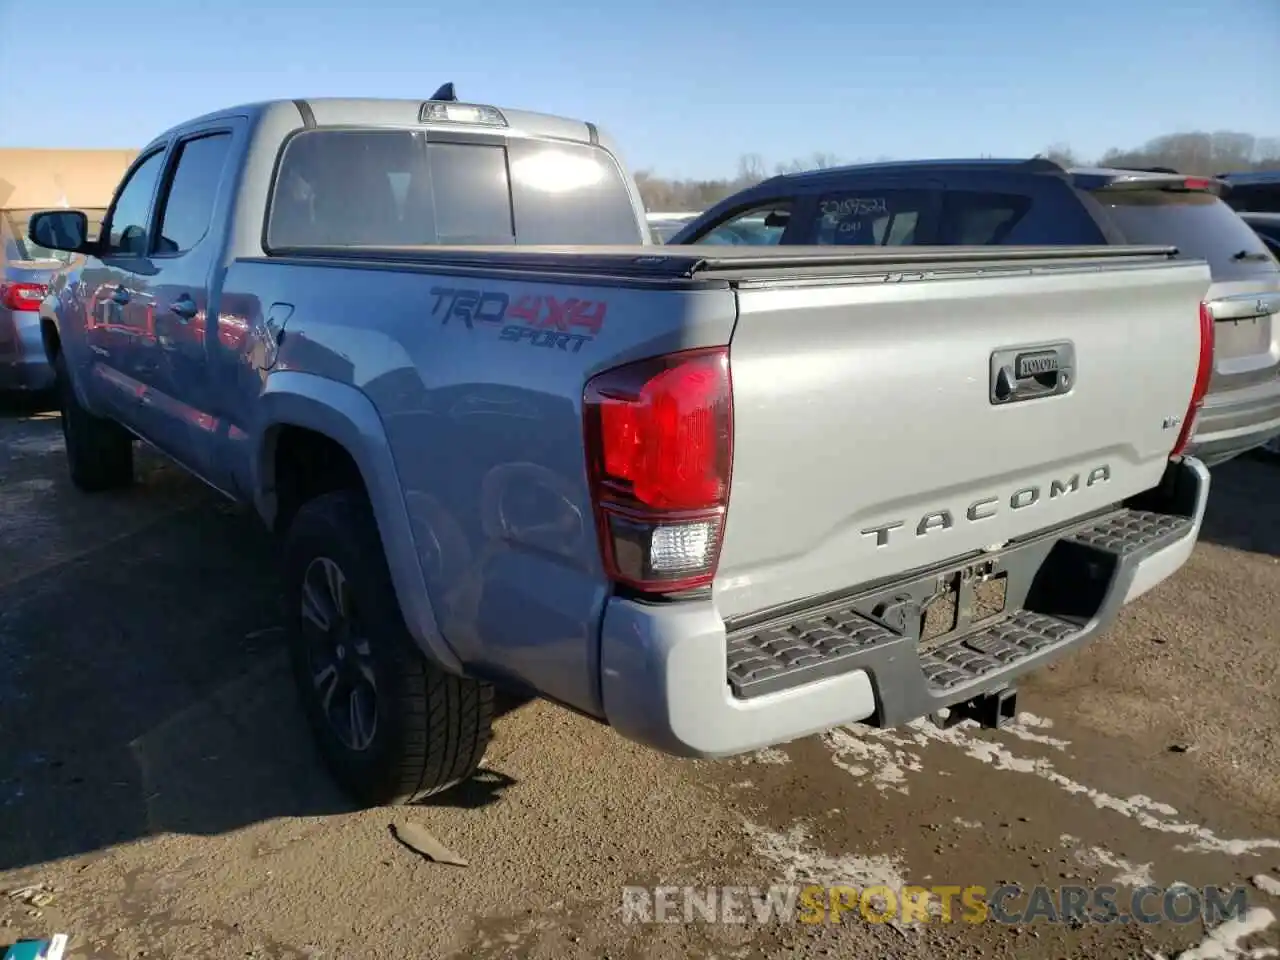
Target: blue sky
{"type": "Point", "coordinates": [684, 87]}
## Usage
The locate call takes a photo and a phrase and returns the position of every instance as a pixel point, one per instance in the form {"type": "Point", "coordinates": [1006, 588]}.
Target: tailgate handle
{"type": "Point", "coordinates": [1032, 372]}
{"type": "Point", "coordinates": [1245, 306]}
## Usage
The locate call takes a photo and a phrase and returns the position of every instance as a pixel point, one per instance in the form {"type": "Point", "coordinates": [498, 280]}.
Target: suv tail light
{"type": "Point", "coordinates": [22, 296]}
{"type": "Point", "coordinates": [659, 440]}
{"type": "Point", "coordinates": [1203, 372]}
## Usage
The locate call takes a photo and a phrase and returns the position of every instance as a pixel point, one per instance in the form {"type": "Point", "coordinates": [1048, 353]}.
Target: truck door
{"type": "Point", "coordinates": [114, 329]}
{"type": "Point", "coordinates": [173, 286]}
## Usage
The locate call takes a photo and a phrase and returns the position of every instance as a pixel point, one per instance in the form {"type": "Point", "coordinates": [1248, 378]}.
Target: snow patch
{"type": "Point", "coordinates": [1025, 727]}
{"type": "Point", "coordinates": [887, 756]}
{"type": "Point", "coordinates": [799, 862]}
{"type": "Point", "coordinates": [770, 755]}
{"type": "Point", "coordinates": [1267, 884]}
{"type": "Point", "coordinates": [1223, 941]}
{"type": "Point", "coordinates": [1096, 858]}
{"type": "Point", "coordinates": [861, 757]}
{"type": "Point", "coordinates": [1148, 813]}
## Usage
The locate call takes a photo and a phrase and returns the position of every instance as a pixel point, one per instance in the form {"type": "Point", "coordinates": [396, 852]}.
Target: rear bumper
{"type": "Point", "coordinates": [1236, 422]}
{"type": "Point", "coordinates": [676, 680]}
{"type": "Point", "coordinates": [22, 361]}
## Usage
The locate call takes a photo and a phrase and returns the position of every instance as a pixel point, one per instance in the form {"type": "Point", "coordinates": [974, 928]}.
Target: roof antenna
{"type": "Point", "coordinates": [445, 93]}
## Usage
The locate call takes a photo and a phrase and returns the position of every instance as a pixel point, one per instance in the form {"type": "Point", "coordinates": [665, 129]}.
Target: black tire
{"type": "Point", "coordinates": [99, 452]}
{"type": "Point", "coordinates": [430, 729]}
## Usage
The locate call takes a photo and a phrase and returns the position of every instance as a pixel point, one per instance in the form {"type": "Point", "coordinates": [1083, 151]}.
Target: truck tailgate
{"type": "Point", "coordinates": [886, 422]}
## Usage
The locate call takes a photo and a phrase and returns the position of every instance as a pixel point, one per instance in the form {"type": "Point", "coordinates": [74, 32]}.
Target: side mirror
{"type": "Point", "coordinates": [60, 230]}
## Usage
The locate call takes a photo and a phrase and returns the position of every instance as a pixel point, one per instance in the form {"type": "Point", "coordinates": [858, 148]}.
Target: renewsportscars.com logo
{"type": "Point", "coordinates": [939, 903]}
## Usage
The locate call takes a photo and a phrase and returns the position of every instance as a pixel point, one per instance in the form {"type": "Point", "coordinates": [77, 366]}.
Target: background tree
{"type": "Point", "coordinates": [1194, 152]}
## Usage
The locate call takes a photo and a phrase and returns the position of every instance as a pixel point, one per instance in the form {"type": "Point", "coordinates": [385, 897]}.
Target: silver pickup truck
{"type": "Point", "coordinates": [718, 499]}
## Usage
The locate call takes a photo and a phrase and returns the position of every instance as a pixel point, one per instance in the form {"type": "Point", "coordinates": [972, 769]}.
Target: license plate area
{"type": "Point", "coordinates": [1242, 338]}
{"type": "Point", "coordinates": [935, 610]}
{"type": "Point", "coordinates": [964, 599]}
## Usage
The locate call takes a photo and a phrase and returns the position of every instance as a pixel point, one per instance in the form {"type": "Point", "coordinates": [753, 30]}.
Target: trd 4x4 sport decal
{"type": "Point", "coordinates": [536, 320]}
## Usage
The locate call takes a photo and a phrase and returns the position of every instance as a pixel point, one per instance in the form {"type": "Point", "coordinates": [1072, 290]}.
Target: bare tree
{"type": "Point", "coordinates": [1198, 152]}
{"type": "Point", "coordinates": [752, 168]}
{"type": "Point", "coordinates": [1061, 154]}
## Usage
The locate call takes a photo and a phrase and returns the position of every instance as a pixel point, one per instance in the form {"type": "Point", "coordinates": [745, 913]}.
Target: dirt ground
{"type": "Point", "coordinates": [156, 778]}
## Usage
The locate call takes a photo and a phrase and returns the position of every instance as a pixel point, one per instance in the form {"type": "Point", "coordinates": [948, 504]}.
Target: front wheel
{"type": "Point", "coordinates": [99, 452]}
{"type": "Point", "coordinates": [391, 727]}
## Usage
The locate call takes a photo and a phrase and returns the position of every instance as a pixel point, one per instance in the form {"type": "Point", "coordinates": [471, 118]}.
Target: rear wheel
{"type": "Point", "coordinates": [391, 727]}
{"type": "Point", "coordinates": [99, 452]}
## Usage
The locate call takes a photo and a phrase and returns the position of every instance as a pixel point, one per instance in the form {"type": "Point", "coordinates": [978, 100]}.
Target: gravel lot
{"type": "Point", "coordinates": [156, 777]}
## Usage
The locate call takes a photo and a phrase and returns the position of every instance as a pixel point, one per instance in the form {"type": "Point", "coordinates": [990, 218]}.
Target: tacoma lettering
{"type": "Point", "coordinates": [988, 507]}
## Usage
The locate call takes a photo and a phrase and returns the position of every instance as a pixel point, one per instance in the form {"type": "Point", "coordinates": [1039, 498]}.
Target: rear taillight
{"type": "Point", "coordinates": [1204, 370]}
{"type": "Point", "coordinates": [659, 437]}
{"type": "Point", "coordinates": [1196, 183]}
{"type": "Point", "coordinates": [22, 296]}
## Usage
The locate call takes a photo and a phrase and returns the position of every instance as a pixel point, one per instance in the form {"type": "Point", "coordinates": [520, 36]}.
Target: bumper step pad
{"type": "Point", "coordinates": [1130, 531]}
{"type": "Point", "coordinates": [833, 641]}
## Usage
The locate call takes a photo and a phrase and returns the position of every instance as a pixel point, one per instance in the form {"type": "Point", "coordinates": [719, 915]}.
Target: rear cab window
{"type": "Point", "coordinates": [1197, 222]}
{"type": "Point", "coordinates": [411, 188]}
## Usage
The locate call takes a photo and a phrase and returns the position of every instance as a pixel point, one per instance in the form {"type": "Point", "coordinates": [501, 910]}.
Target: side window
{"type": "Point", "coordinates": [871, 217]}
{"type": "Point", "coordinates": [761, 226]}
{"type": "Point", "coordinates": [976, 218]}
{"type": "Point", "coordinates": [188, 206]}
{"type": "Point", "coordinates": [133, 204]}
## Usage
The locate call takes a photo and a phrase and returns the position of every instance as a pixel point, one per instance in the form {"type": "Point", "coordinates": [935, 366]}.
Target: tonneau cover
{"type": "Point", "coordinates": [728, 263]}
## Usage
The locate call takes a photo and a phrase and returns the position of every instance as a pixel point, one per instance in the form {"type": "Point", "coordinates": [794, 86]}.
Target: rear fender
{"type": "Point", "coordinates": [349, 418]}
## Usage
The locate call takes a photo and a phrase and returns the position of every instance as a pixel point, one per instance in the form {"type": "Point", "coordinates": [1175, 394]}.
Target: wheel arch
{"type": "Point", "coordinates": [344, 416]}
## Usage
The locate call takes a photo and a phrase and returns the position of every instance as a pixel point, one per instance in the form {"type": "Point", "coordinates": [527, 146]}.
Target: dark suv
{"type": "Point", "coordinates": [1033, 202]}
{"type": "Point", "coordinates": [1257, 191]}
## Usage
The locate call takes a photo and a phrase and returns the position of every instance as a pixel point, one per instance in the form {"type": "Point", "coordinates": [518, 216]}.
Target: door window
{"type": "Point", "coordinates": [871, 217]}
{"type": "Point", "coordinates": [129, 215]}
{"type": "Point", "coordinates": [761, 226]}
{"type": "Point", "coordinates": [188, 205]}
{"type": "Point", "coordinates": [977, 218]}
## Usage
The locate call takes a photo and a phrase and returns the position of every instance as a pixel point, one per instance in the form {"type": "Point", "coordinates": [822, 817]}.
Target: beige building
{"type": "Point", "coordinates": [33, 178]}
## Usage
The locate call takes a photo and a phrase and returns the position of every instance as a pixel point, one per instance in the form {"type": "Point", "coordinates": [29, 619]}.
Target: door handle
{"type": "Point", "coordinates": [184, 307]}
{"type": "Point", "coordinates": [120, 295]}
